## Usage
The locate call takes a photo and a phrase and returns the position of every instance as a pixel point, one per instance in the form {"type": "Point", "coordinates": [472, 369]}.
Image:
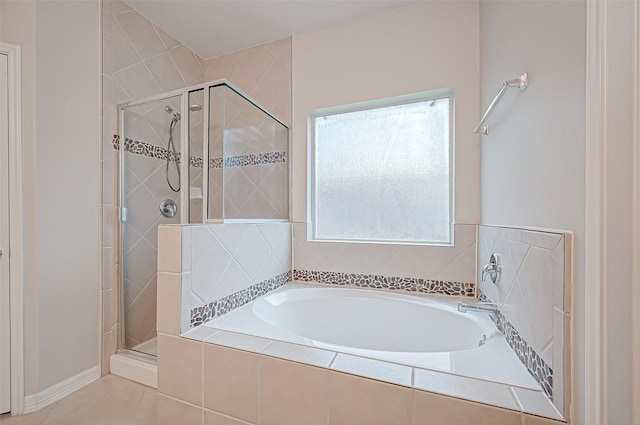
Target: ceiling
{"type": "Point", "coordinates": [212, 28]}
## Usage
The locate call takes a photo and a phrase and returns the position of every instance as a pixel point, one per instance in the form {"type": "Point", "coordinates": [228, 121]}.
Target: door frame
{"type": "Point", "coordinates": [15, 251]}
{"type": "Point", "coordinates": [600, 105]}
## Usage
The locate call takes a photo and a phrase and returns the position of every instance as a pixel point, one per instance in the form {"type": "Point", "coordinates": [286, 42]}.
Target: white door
{"type": "Point", "coordinates": [5, 366]}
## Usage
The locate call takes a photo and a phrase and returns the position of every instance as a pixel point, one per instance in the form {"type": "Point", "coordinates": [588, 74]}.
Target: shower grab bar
{"type": "Point", "coordinates": [521, 82]}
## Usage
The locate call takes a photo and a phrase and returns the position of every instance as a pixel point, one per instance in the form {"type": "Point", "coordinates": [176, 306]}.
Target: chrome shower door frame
{"type": "Point", "coordinates": [184, 198]}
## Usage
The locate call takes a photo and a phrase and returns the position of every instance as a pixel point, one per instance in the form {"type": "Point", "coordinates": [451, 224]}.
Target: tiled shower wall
{"type": "Point", "coordinates": [533, 294]}
{"type": "Point", "coordinates": [255, 164]}
{"type": "Point", "coordinates": [139, 60]}
{"type": "Point", "coordinates": [263, 72]}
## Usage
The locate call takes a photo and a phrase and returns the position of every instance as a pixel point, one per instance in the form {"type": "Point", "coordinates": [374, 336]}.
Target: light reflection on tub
{"type": "Point", "coordinates": [426, 332]}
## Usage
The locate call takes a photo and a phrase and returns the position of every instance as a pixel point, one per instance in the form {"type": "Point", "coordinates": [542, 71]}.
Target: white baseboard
{"type": "Point", "coordinates": [134, 370]}
{"type": "Point", "coordinates": [59, 391]}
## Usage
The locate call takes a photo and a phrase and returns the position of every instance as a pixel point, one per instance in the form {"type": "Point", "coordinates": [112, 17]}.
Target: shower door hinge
{"type": "Point", "coordinates": [122, 214]}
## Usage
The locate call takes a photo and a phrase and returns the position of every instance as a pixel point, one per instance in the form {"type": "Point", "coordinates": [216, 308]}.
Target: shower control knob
{"type": "Point", "coordinates": [168, 208]}
{"type": "Point", "coordinates": [0, 253]}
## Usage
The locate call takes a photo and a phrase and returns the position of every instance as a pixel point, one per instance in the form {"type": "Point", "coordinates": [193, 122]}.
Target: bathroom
{"type": "Point", "coordinates": [535, 170]}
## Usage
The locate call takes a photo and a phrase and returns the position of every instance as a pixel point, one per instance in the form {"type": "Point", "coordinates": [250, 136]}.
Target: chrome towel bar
{"type": "Point", "coordinates": [521, 82]}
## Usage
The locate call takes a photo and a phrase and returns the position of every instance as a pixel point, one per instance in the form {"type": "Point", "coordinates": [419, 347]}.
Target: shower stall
{"type": "Point", "coordinates": [205, 154]}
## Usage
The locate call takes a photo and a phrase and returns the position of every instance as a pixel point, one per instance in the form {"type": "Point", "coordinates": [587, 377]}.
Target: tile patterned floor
{"type": "Point", "coordinates": [108, 401]}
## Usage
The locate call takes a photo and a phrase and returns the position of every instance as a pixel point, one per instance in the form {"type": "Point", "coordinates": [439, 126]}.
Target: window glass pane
{"type": "Point", "coordinates": [383, 174]}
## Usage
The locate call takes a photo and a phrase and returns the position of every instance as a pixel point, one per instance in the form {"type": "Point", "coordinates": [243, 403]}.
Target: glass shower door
{"type": "Point", "coordinates": [150, 193]}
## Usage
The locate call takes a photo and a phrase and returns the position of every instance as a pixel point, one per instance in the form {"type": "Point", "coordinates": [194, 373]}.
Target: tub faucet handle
{"type": "Point", "coordinates": [492, 269]}
{"type": "Point", "coordinates": [489, 269]}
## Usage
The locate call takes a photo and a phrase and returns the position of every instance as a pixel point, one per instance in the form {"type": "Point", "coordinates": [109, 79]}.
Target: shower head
{"type": "Point", "coordinates": [193, 108]}
{"type": "Point", "coordinates": [176, 115]}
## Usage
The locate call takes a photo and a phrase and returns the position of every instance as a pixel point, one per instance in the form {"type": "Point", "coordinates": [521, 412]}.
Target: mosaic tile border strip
{"type": "Point", "coordinates": [147, 149]}
{"type": "Point", "coordinates": [255, 159]}
{"type": "Point", "coordinates": [217, 308]}
{"type": "Point", "coordinates": [536, 366]}
{"type": "Point", "coordinates": [411, 284]}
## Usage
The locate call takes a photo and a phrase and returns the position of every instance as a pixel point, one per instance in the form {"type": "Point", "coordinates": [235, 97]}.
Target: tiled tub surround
{"type": "Point", "coordinates": [217, 308]}
{"type": "Point", "coordinates": [533, 295]}
{"type": "Point", "coordinates": [229, 264]}
{"type": "Point", "coordinates": [379, 392]}
{"type": "Point", "coordinates": [430, 263]}
{"type": "Point", "coordinates": [265, 381]}
{"type": "Point", "coordinates": [536, 366]}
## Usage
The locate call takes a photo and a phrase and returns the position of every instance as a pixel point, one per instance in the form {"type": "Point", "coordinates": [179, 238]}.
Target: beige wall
{"type": "Point", "coordinates": [60, 64]}
{"type": "Point", "coordinates": [533, 160]}
{"type": "Point", "coordinates": [17, 26]}
{"type": "Point", "coordinates": [389, 54]}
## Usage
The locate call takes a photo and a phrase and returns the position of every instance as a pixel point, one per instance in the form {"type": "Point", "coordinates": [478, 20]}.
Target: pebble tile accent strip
{"type": "Point", "coordinates": [255, 159]}
{"type": "Point", "coordinates": [411, 284]}
{"type": "Point", "coordinates": [217, 308]}
{"type": "Point", "coordinates": [146, 149]}
{"type": "Point", "coordinates": [195, 161]}
{"type": "Point", "coordinates": [153, 151]}
{"type": "Point", "coordinates": [215, 163]}
{"type": "Point", "coordinates": [537, 367]}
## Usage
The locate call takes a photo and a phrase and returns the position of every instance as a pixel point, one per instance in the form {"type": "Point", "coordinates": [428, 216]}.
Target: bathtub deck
{"type": "Point", "coordinates": [494, 361]}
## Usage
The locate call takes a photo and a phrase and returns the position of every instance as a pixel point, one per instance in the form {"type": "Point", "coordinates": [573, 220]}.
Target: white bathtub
{"type": "Point", "coordinates": [371, 320]}
{"type": "Point", "coordinates": [420, 331]}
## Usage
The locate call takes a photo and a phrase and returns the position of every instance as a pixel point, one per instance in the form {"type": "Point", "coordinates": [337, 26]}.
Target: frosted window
{"type": "Point", "coordinates": [383, 174]}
